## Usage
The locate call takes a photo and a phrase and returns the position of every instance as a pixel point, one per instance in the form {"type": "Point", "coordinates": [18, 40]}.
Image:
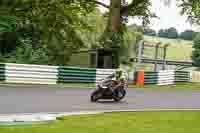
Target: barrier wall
{"type": "Point", "coordinates": [76, 75]}
{"type": "Point", "coordinates": [2, 72]}
{"type": "Point", "coordinates": [183, 76]}
{"type": "Point", "coordinates": [35, 74]}
{"type": "Point", "coordinates": [195, 76]}
{"type": "Point", "coordinates": [102, 73]}
{"type": "Point", "coordinates": [166, 77]}
{"type": "Point", "coordinates": [44, 74]}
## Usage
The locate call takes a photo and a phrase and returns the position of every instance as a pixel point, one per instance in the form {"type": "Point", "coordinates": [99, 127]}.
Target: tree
{"type": "Point", "coordinates": [187, 35]}
{"type": "Point", "coordinates": [55, 22]}
{"type": "Point", "coordinates": [135, 28]}
{"type": "Point", "coordinates": [191, 9]}
{"type": "Point", "coordinates": [150, 32]}
{"type": "Point", "coordinates": [172, 33]}
{"type": "Point", "coordinates": [196, 51]}
{"type": "Point", "coordinates": [168, 33]}
{"type": "Point", "coordinates": [8, 35]}
{"type": "Point", "coordinates": [163, 33]}
{"type": "Point", "coordinates": [113, 33]}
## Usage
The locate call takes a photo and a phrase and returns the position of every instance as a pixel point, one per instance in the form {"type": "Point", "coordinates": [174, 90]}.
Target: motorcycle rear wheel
{"type": "Point", "coordinates": [123, 94]}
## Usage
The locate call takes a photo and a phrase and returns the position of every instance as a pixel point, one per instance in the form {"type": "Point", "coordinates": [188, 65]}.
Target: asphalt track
{"type": "Point", "coordinates": [16, 99]}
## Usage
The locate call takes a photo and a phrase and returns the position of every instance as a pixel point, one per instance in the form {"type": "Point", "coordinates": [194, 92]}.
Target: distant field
{"type": "Point", "coordinates": [178, 50]}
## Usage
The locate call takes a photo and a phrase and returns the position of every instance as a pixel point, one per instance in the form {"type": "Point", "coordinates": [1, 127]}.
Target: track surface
{"type": "Point", "coordinates": [36, 99]}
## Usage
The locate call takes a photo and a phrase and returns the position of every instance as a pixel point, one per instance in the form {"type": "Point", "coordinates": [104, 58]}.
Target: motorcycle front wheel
{"type": "Point", "coordinates": [95, 96]}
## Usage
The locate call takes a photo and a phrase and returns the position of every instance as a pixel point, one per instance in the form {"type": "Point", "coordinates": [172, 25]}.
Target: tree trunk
{"type": "Point", "coordinates": [114, 16]}
{"type": "Point", "coordinates": [109, 37]}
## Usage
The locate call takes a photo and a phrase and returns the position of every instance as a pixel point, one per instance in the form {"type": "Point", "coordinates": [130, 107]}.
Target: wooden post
{"type": "Point", "coordinates": [164, 56]}
{"type": "Point", "coordinates": [139, 54]}
{"type": "Point", "coordinates": [156, 56]}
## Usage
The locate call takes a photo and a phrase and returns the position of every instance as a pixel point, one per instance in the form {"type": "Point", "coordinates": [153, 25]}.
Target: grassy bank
{"type": "Point", "coordinates": [140, 122]}
{"type": "Point", "coordinates": [173, 52]}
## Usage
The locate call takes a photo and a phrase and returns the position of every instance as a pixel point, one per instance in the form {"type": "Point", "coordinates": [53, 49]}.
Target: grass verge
{"type": "Point", "coordinates": [138, 122]}
{"type": "Point", "coordinates": [183, 86]}
{"type": "Point", "coordinates": [179, 86]}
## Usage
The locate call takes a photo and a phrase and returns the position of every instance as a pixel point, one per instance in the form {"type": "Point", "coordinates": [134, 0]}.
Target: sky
{"type": "Point", "coordinates": [169, 16]}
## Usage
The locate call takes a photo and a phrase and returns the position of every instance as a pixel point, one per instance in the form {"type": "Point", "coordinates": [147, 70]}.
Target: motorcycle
{"type": "Point", "coordinates": [106, 90]}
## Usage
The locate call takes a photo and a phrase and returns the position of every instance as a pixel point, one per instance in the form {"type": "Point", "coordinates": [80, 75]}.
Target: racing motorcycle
{"type": "Point", "coordinates": [106, 89]}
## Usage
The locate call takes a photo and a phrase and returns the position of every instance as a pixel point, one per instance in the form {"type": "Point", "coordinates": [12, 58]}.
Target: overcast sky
{"type": "Point", "coordinates": [169, 16]}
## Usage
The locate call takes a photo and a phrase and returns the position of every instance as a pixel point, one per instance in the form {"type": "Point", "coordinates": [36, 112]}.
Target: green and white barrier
{"type": "Point", "coordinates": [102, 73]}
{"type": "Point", "coordinates": [44, 74]}
{"type": "Point", "coordinates": [36, 74]}
{"type": "Point", "coordinates": [76, 75]}
{"type": "Point", "coordinates": [183, 76]}
{"type": "Point", "coordinates": [2, 72]}
{"type": "Point", "coordinates": [165, 77]}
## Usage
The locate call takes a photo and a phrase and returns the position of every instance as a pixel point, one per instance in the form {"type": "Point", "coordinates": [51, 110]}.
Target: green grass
{"type": "Point", "coordinates": [185, 86]}
{"type": "Point", "coordinates": [178, 49]}
{"type": "Point", "coordinates": [81, 85]}
{"type": "Point", "coordinates": [182, 86]}
{"type": "Point", "coordinates": [140, 122]}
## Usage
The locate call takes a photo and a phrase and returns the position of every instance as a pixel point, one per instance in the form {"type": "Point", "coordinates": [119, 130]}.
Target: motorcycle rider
{"type": "Point", "coordinates": [120, 80]}
{"type": "Point", "coordinates": [112, 87]}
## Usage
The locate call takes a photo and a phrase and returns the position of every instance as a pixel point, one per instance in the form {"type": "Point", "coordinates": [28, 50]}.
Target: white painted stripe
{"type": "Point", "coordinates": [41, 76]}
{"type": "Point", "coordinates": [30, 69]}
{"type": "Point", "coordinates": [131, 76]}
{"type": "Point", "coordinates": [30, 80]}
{"type": "Point", "coordinates": [166, 77]}
{"type": "Point", "coordinates": [105, 70]}
{"type": "Point", "coordinates": [31, 72]}
{"type": "Point", "coordinates": [166, 83]}
{"type": "Point", "coordinates": [166, 71]}
{"type": "Point", "coordinates": [103, 73]}
{"type": "Point", "coordinates": [30, 65]}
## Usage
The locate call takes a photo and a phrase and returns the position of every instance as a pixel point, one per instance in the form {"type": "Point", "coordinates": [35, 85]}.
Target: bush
{"type": "Point", "coordinates": [26, 54]}
{"type": "Point", "coordinates": [8, 42]}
